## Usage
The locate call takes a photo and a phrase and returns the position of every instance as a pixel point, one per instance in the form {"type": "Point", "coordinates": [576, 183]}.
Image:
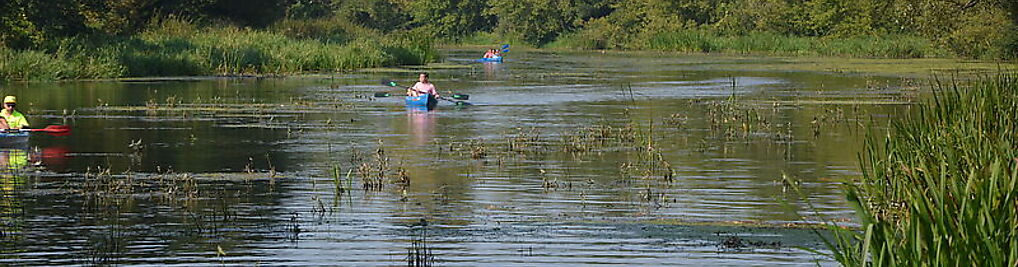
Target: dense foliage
{"type": "Point", "coordinates": [897, 28]}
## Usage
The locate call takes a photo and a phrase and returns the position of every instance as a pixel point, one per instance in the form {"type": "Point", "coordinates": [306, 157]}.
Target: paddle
{"type": "Point", "coordinates": [505, 48]}
{"type": "Point", "coordinates": [56, 130]}
{"type": "Point", "coordinates": [49, 129]}
{"type": "Point", "coordinates": [458, 103]}
{"type": "Point", "coordinates": [392, 83]}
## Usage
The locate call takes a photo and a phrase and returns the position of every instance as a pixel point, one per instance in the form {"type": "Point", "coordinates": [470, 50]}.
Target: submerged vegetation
{"type": "Point", "coordinates": [942, 188]}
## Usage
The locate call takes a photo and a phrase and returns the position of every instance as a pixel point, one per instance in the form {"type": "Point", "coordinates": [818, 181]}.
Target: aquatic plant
{"type": "Point", "coordinates": [599, 135]}
{"type": "Point", "coordinates": [478, 150]}
{"type": "Point", "coordinates": [337, 180]}
{"type": "Point", "coordinates": [941, 189]}
{"type": "Point", "coordinates": [523, 140]}
{"type": "Point", "coordinates": [375, 173]}
{"type": "Point", "coordinates": [420, 253]}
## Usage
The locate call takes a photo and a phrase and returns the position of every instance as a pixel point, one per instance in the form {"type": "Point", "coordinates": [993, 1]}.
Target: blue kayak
{"type": "Point", "coordinates": [13, 139]}
{"type": "Point", "coordinates": [425, 101]}
{"type": "Point", "coordinates": [490, 59]}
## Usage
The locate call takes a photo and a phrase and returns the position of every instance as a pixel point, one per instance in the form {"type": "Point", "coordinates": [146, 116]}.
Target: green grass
{"type": "Point", "coordinates": [178, 48]}
{"type": "Point", "coordinates": [40, 66]}
{"type": "Point", "coordinates": [704, 41]}
{"type": "Point", "coordinates": [942, 188]}
{"type": "Point", "coordinates": [869, 47]}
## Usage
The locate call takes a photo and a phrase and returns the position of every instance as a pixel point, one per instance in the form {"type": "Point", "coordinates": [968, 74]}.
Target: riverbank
{"type": "Point", "coordinates": [753, 43]}
{"type": "Point", "coordinates": [37, 66]}
{"type": "Point", "coordinates": [178, 48]}
{"type": "Point", "coordinates": [917, 68]}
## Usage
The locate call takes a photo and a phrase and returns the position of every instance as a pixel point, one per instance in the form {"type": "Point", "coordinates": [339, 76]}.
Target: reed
{"type": "Point", "coordinates": [178, 48]}
{"type": "Point", "coordinates": [29, 65]}
{"type": "Point", "coordinates": [707, 41]}
{"type": "Point", "coordinates": [337, 180]}
{"type": "Point", "coordinates": [942, 188]}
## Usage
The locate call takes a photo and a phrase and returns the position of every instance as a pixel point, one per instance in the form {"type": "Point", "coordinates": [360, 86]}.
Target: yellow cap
{"type": "Point", "coordinates": [10, 99]}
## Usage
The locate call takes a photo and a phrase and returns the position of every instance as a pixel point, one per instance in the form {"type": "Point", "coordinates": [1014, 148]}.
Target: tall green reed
{"type": "Point", "coordinates": [942, 188]}
{"type": "Point", "coordinates": [29, 65]}
{"type": "Point", "coordinates": [174, 47]}
{"type": "Point", "coordinates": [708, 41]}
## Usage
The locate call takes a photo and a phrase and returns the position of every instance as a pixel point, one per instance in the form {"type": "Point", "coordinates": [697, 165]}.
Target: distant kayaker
{"type": "Point", "coordinates": [10, 118]}
{"type": "Point", "coordinates": [423, 86]}
{"type": "Point", "coordinates": [492, 53]}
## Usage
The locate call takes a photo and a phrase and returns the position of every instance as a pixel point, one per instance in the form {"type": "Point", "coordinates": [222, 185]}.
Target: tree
{"type": "Point", "coordinates": [256, 13]}
{"type": "Point", "coordinates": [384, 15]}
{"type": "Point", "coordinates": [449, 18]}
{"type": "Point", "coordinates": [16, 30]}
{"type": "Point", "coordinates": [535, 21]}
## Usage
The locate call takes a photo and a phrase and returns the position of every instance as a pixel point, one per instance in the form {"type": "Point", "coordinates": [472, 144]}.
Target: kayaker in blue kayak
{"type": "Point", "coordinates": [492, 53]}
{"type": "Point", "coordinates": [10, 118]}
{"type": "Point", "coordinates": [423, 86]}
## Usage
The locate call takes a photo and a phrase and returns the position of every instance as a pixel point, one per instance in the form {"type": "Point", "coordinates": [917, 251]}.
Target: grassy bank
{"type": "Point", "coordinates": [700, 41]}
{"type": "Point", "coordinates": [178, 48]}
{"type": "Point", "coordinates": [942, 188]}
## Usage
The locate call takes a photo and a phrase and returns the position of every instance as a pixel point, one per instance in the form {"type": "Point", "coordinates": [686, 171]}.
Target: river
{"type": "Point", "coordinates": [562, 159]}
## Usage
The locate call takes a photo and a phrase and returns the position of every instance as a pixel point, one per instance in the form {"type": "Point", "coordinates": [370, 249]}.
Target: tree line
{"type": "Point", "coordinates": [968, 28]}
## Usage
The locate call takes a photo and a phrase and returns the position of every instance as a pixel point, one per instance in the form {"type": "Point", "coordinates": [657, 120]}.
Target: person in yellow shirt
{"type": "Point", "coordinates": [10, 118]}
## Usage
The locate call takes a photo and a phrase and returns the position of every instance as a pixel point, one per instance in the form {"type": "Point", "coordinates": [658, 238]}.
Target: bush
{"type": "Point", "coordinates": [683, 41]}
{"type": "Point", "coordinates": [332, 29]}
{"type": "Point", "coordinates": [980, 37]}
{"type": "Point", "coordinates": [577, 40]}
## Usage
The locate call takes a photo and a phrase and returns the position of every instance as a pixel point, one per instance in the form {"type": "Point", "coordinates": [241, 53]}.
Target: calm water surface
{"type": "Point", "coordinates": [563, 159]}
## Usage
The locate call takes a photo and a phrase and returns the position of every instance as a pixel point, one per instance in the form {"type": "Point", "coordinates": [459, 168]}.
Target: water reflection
{"type": "Point", "coordinates": [55, 158]}
{"type": "Point", "coordinates": [13, 160]}
{"type": "Point", "coordinates": [421, 123]}
{"type": "Point", "coordinates": [492, 70]}
{"type": "Point", "coordinates": [12, 210]}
